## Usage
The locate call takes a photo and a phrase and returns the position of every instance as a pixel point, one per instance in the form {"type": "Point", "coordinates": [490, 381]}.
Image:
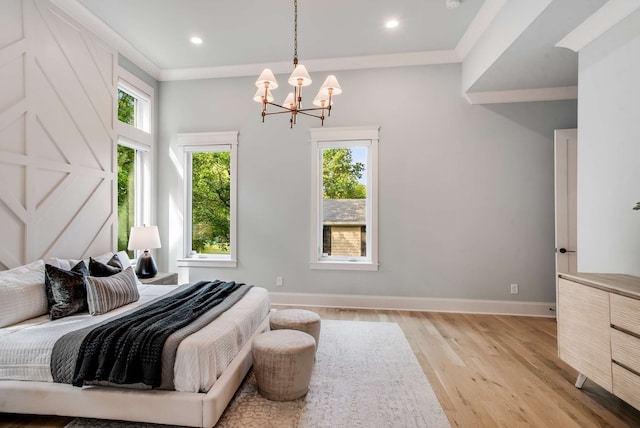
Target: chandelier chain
{"type": "Point", "coordinates": [295, 32]}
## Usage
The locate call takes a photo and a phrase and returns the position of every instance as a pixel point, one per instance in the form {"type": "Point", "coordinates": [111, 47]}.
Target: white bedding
{"type": "Point", "coordinates": [25, 348]}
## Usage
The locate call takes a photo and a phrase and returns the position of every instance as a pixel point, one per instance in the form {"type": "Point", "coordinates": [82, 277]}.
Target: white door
{"type": "Point", "coordinates": [566, 175]}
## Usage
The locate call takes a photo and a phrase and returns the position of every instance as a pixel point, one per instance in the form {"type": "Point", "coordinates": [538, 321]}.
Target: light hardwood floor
{"type": "Point", "coordinates": [487, 371]}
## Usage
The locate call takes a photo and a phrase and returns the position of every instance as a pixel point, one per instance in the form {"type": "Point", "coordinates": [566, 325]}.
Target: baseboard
{"type": "Point", "coordinates": [421, 304]}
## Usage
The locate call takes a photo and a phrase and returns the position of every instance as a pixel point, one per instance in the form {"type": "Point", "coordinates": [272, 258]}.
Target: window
{"type": "Point", "coordinates": [134, 106]}
{"type": "Point", "coordinates": [135, 101]}
{"type": "Point", "coordinates": [126, 196]}
{"type": "Point", "coordinates": [133, 190]}
{"type": "Point", "coordinates": [344, 198]}
{"type": "Point", "coordinates": [210, 161]}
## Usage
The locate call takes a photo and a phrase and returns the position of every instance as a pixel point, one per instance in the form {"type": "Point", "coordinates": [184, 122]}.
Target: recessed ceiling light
{"type": "Point", "coordinates": [392, 23]}
{"type": "Point", "coordinates": [196, 40]}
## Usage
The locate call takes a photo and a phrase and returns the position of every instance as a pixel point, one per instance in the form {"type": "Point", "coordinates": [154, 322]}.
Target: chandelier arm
{"type": "Point", "coordinates": [278, 105]}
{"type": "Point", "coordinates": [302, 110]}
{"type": "Point", "coordinates": [269, 113]}
{"type": "Point", "coordinates": [309, 114]}
{"type": "Point", "coordinates": [287, 110]}
{"type": "Point", "coordinates": [305, 112]}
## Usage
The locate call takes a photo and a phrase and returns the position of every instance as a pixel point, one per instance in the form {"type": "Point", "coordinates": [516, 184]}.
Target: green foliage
{"type": "Point", "coordinates": [340, 175]}
{"type": "Point", "coordinates": [126, 108]}
{"type": "Point", "coordinates": [126, 195]}
{"type": "Point", "coordinates": [126, 175]}
{"type": "Point", "coordinates": [211, 202]}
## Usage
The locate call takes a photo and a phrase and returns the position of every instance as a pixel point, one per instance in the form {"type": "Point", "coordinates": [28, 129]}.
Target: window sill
{"type": "Point", "coordinates": [335, 265]}
{"type": "Point", "coordinates": [207, 262]}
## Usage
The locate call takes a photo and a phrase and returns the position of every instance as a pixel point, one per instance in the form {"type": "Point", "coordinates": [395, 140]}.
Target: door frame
{"type": "Point", "coordinates": [565, 198]}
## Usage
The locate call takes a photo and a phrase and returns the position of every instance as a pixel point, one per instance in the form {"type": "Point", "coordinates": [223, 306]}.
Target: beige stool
{"type": "Point", "coordinates": [282, 361]}
{"type": "Point", "coordinates": [297, 319]}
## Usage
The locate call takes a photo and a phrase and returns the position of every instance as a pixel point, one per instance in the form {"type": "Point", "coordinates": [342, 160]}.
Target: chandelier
{"type": "Point", "coordinates": [300, 78]}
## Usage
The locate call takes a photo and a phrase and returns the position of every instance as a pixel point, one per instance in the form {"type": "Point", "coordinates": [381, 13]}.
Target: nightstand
{"type": "Point", "coordinates": [161, 278]}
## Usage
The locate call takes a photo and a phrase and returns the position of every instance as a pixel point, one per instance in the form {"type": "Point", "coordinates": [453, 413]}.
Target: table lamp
{"type": "Point", "coordinates": [145, 238]}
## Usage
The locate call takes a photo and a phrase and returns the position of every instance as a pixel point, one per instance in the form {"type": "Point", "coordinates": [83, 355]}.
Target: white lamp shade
{"type": "Point", "coordinates": [331, 83]}
{"type": "Point", "coordinates": [144, 238]}
{"type": "Point", "coordinates": [267, 77]}
{"type": "Point", "coordinates": [320, 97]}
{"type": "Point", "coordinates": [300, 73]}
{"type": "Point", "coordinates": [290, 101]}
{"type": "Point", "coordinates": [260, 95]}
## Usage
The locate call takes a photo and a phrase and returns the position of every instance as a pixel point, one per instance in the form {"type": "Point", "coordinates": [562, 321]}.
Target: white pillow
{"type": "Point", "coordinates": [22, 293]}
{"type": "Point", "coordinates": [124, 259]}
{"type": "Point", "coordinates": [65, 264]}
{"type": "Point", "coordinates": [103, 258]}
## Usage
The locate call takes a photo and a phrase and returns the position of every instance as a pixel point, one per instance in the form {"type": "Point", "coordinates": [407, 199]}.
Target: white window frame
{"type": "Point", "coordinates": [209, 142]}
{"type": "Point", "coordinates": [142, 209]}
{"type": "Point", "coordinates": [140, 139]}
{"type": "Point", "coordinates": [143, 93]}
{"type": "Point", "coordinates": [321, 138]}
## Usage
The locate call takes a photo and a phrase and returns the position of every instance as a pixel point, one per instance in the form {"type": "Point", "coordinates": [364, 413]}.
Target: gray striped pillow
{"type": "Point", "coordinates": [107, 293]}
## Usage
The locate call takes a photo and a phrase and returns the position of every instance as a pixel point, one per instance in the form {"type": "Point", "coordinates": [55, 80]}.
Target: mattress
{"type": "Point", "coordinates": [25, 348]}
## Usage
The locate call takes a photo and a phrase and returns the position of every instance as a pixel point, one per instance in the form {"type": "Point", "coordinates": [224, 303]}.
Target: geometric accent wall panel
{"type": "Point", "coordinates": [12, 89]}
{"type": "Point", "coordinates": [57, 145]}
{"type": "Point", "coordinates": [11, 23]}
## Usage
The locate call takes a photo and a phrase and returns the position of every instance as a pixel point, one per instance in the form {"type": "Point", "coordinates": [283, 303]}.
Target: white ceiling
{"type": "Point", "coordinates": [258, 31]}
{"type": "Point", "coordinates": [242, 36]}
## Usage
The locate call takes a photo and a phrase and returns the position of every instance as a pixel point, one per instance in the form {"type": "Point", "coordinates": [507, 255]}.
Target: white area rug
{"type": "Point", "coordinates": [365, 375]}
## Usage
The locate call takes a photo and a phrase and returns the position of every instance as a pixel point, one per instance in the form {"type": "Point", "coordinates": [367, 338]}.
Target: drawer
{"type": "Point", "coordinates": [625, 349]}
{"type": "Point", "coordinates": [625, 313]}
{"type": "Point", "coordinates": [626, 385]}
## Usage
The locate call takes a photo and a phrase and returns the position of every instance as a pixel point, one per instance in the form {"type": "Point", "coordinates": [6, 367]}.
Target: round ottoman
{"type": "Point", "coordinates": [282, 362]}
{"type": "Point", "coordinates": [297, 319]}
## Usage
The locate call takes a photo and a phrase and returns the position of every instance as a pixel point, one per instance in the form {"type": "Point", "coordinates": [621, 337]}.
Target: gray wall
{"type": "Point", "coordinates": [132, 68]}
{"type": "Point", "coordinates": [466, 192]}
{"type": "Point", "coordinates": [609, 151]}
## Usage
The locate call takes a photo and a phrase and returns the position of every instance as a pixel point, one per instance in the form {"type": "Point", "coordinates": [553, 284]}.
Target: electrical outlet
{"type": "Point", "coordinates": [514, 288]}
{"type": "Point", "coordinates": [279, 281]}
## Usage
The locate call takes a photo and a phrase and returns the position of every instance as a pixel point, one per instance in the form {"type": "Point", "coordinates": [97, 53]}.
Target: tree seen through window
{"type": "Point", "coordinates": [211, 202]}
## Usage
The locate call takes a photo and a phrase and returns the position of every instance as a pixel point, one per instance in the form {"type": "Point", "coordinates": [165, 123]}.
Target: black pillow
{"type": "Point", "coordinates": [112, 267]}
{"type": "Point", "coordinates": [68, 289]}
{"type": "Point", "coordinates": [80, 267]}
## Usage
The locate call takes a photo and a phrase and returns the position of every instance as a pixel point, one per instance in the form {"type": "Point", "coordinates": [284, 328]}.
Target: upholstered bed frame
{"type": "Point", "coordinates": [162, 407]}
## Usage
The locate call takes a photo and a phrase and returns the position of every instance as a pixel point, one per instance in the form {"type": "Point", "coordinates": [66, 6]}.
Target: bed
{"type": "Point", "coordinates": [210, 364]}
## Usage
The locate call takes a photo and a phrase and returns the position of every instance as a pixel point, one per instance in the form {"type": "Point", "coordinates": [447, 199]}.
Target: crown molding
{"type": "Point", "coordinates": [326, 64]}
{"type": "Point", "coordinates": [420, 304]}
{"type": "Point", "coordinates": [597, 24]}
{"type": "Point", "coordinates": [488, 11]}
{"type": "Point", "coordinates": [83, 16]}
{"type": "Point", "coordinates": [523, 95]}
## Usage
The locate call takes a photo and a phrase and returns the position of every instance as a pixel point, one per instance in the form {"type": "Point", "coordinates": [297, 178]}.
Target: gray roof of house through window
{"type": "Point", "coordinates": [344, 212]}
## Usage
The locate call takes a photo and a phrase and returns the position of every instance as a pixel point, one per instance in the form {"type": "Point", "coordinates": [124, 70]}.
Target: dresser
{"type": "Point", "coordinates": [599, 331]}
